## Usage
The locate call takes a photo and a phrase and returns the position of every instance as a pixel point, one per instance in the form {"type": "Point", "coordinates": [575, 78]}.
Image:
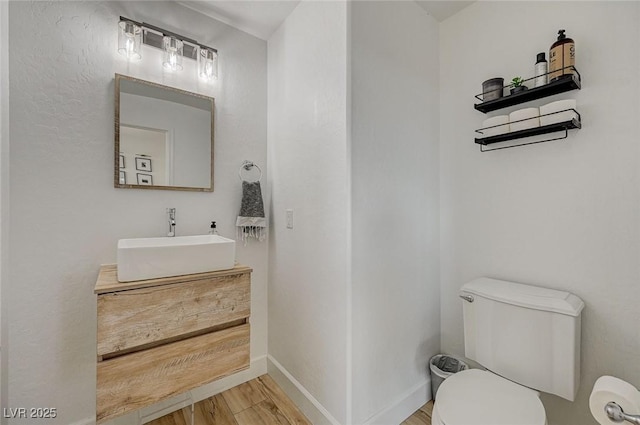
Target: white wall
{"type": "Point", "coordinates": [562, 214]}
{"type": "Point", "coordinates": [62, 63]}
{"type": "Point", "coordinates": [309, 174]}
{"type": "Point", "coordinates": [395, 216]}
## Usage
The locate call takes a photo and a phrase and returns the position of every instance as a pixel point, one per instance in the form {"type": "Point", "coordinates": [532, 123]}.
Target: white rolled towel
{"type": "Point", "coordinates": [495, 125]}
{"type": "Point", "coordinates": [523, 119]}
{"type": "Point", "coordinates": [558, 111]}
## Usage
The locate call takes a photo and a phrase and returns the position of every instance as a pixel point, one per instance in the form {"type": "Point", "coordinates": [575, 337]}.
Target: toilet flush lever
{"type": "Point", "coordinates": [468, 298]}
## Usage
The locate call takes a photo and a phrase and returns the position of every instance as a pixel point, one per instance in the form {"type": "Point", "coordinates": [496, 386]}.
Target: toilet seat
{"type": "Point", "coordinates": [477, 397]}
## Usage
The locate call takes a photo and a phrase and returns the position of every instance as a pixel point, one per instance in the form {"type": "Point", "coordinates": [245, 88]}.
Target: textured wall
{"type": "Point", "coordinates": [66, 215]}
{"type": "Point", "coordinates": [562, 214]}
{"type": "Point", "coordinates": [395, 217]}
{"type": "Point", "coordinates": [308, 163]}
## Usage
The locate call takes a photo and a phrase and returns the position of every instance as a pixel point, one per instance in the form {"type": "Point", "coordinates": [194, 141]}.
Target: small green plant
{"type": "Point", "coordinates": [517, 82]}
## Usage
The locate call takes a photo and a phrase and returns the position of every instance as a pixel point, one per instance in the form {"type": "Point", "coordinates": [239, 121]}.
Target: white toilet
{"type": "Point", "coordinates": [529, 340]}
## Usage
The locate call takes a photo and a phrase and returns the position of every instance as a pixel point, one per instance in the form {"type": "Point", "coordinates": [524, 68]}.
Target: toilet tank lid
{"type": "Point", "coordinates": [527, 296]}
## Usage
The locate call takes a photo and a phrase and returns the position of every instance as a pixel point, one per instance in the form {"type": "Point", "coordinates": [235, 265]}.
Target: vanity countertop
{"type": "Point", "coordinates": [108, 278]}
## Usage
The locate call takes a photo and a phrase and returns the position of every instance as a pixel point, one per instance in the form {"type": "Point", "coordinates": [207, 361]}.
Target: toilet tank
{"type": "Point", "coordinates": [527, 334]}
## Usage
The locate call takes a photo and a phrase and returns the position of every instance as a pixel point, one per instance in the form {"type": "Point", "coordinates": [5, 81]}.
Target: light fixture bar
{"type": "Point", "coordinates": [153, 36]}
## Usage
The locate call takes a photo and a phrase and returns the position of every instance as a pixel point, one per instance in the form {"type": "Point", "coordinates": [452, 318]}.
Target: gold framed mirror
{"type": "Point", "coordinates": [163, 137]}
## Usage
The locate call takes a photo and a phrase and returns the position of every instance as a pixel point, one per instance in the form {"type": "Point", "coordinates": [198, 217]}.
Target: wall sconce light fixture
{"type": "Point", "coordinates": [208, 63]}
{"type": "Point", "coordinates": [173, 49]}
{"type": "Point", "coordinates": [129, 38]}
{"type": "Point", "coordinates": [132, 34]}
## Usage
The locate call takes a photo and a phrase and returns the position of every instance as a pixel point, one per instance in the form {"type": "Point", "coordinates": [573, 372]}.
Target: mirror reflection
{"type": "Point", "coordinates": [164, 137]}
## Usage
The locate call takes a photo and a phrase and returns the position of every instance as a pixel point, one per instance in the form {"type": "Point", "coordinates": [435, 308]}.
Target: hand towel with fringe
{"type": "Point", "coordinates": [251, 222]}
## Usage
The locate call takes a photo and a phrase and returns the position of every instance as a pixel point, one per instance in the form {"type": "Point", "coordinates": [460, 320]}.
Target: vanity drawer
{"type": "Point", "coordinates": [140, 318]}
{"type": "Point", "coordinates": [139, 379]}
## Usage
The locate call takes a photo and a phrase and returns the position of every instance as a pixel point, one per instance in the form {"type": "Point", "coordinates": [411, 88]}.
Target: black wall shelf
{"type": "Point", "coordinates": [561, 85]}
{"type": "Point", "coordinates": [546, 129]}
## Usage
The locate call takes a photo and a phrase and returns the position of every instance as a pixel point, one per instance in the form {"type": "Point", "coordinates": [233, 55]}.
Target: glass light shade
{"type": "Point", "coordinates": [129, 40]}
{"type": "Point", "coordinates": [172, 53]}
{"type": "Point", "coordinates": [208, 64]}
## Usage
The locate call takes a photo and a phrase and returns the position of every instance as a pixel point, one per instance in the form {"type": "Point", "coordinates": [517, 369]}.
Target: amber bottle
{"type": "Point", "coordinates": [562, 55]}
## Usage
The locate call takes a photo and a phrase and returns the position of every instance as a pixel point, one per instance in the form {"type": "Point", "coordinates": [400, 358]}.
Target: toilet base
{"type": "Point", "coordinates": [435, 416]}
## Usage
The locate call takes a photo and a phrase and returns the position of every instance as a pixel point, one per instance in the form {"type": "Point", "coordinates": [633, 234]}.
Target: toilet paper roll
{"type": "Point", "coordinates": [609, 388]}
{"type": "Point", "coordinates": [495, 125]}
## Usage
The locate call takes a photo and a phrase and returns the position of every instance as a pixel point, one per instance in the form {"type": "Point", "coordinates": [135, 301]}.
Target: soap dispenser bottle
{"type": "Point", "coordinates": [213, 230]}
{"type": "Point", "coordinates": [562, 55]}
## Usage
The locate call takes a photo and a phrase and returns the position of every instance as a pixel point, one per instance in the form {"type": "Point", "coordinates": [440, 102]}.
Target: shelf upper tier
{"type": "Point", "coordinates": [572, 82]}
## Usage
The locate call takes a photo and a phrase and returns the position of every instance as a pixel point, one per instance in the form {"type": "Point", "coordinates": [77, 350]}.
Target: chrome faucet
{"type": "Point", "coordinates": [171, 217]}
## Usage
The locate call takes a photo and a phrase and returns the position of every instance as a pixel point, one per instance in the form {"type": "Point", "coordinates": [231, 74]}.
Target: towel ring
{"type": "Point", "coordinates": [248, 165]}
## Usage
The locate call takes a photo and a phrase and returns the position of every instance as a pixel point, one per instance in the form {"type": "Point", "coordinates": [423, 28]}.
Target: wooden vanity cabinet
{"type": "Point", "coordinates": [161, 337]}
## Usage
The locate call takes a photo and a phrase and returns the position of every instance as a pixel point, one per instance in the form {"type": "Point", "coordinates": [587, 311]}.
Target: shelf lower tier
{"type": "Point", "coordinates": [546, 129]}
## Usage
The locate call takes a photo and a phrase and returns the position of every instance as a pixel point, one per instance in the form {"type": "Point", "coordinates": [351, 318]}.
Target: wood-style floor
{"type": "Point", "coordinates": [257, 402]}
{"type": "Point", "coordinates": [422, 416]}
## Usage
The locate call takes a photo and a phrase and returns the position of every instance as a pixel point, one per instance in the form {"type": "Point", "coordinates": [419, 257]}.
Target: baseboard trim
{"type": "Point", "coordinates": [403, 406]}
{"type": "Point", "coordinates": [307, 403]}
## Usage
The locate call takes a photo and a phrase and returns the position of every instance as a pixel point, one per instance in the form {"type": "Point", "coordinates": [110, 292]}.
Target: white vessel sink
{"type": "Point", "coordinates": [150, 258]}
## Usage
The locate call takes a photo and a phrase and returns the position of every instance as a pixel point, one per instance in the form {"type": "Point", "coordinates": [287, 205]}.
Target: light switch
{"type": "Point", "coordinates": [289, 219]}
